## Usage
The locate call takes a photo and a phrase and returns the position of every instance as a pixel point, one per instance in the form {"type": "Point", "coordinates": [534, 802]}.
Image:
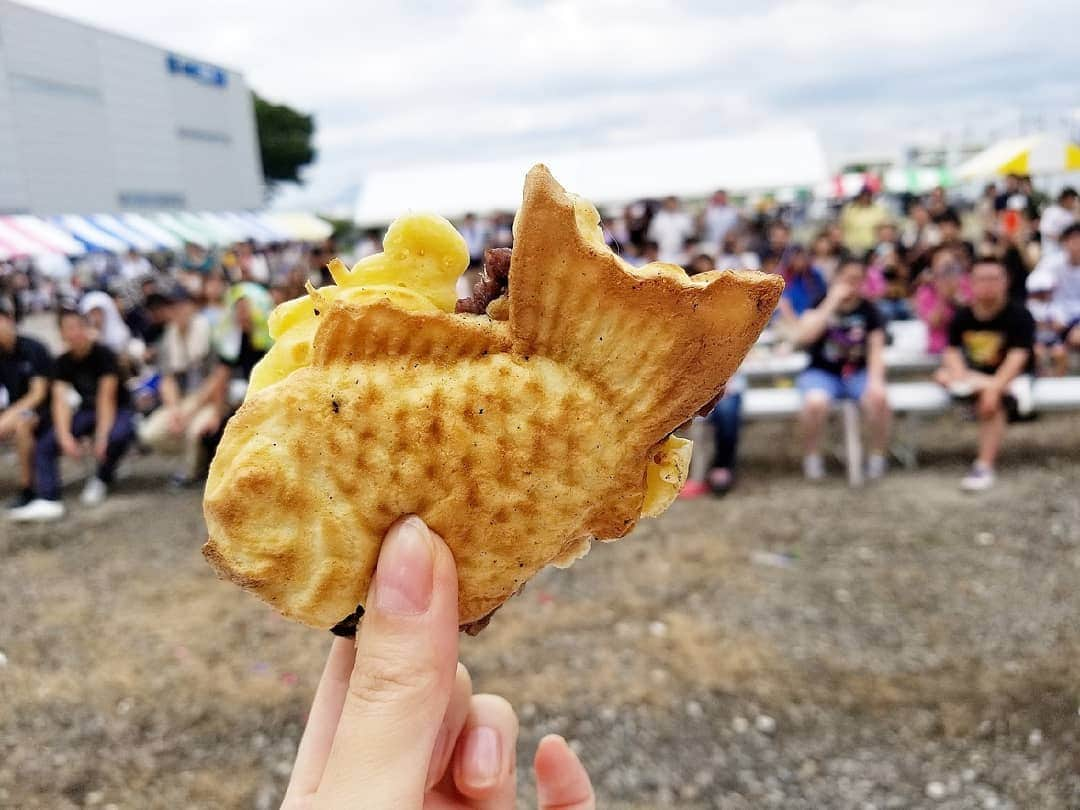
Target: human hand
{"type": "Point", "coordinates": [8, 420]}
{"type": "Point", "coordinates": [69, 446]}
{"type": "Point", "coordinates": [394, 724]}
{"type": "Point", "coordinates": [101, 447]}
{"type": "Point", "coordinates": [839, 291]}
{"type": "Point", "coordinates": [177, 421]}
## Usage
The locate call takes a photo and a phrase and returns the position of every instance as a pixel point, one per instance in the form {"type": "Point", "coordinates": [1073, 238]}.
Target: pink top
{"type": "Point", "coordinates": [927, 302]}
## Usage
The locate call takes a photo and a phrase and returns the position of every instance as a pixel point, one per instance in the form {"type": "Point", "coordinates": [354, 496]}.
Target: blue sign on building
{"type": "Point", "coordinates": [199, 71]}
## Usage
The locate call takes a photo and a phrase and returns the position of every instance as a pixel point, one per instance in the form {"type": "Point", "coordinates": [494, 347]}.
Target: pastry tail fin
{"type": "Point", "coordinates": [662, 342]}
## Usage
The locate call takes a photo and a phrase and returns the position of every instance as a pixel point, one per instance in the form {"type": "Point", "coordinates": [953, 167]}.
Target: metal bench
{"type": "Point", "coordinates": [912, 399]}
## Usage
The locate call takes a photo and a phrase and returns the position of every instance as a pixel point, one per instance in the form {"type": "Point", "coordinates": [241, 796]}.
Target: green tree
{"type": "Point", "coordinates": [285, 138]}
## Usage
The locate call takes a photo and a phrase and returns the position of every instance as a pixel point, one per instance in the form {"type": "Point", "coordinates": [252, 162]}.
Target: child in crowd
{"type": "Point", "coordinates": [941, 292]}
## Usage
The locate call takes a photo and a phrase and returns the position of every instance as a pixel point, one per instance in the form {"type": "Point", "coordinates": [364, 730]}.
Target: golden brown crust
{"type": "Point", "coordinates": [518, 442]}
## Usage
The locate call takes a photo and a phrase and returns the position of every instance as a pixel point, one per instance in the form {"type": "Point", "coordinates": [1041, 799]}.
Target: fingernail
{"type": "Point", "coordinates": [482, 758]}
{"type": "Point", "coordinates": [403, 576]}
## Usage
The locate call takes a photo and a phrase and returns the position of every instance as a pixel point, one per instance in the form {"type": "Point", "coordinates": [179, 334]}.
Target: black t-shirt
{"type": "Point", "coordinates": [29, 359]}
{"type": "Point", "coordinates": [843, 348]}
{"type": "Point", "coordinates": [985, 343]}
{"type": "Point", "coordinates": [85, 373]}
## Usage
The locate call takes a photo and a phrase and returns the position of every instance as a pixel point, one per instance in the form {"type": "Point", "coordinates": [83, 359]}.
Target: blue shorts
{"type": "Point", "coordinates": [832, 385]}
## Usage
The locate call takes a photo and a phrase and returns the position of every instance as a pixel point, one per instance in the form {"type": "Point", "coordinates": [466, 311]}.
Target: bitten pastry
{"type": "Point", "coordinates": [519, 435]}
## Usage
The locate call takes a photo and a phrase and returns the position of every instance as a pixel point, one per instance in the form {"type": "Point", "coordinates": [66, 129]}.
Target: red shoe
{"type": "Point", "coordinates": [693, 489]}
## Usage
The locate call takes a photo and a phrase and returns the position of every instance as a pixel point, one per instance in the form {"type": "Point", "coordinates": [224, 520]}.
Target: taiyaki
{"type": "Point", "coordinates": [520, 435]}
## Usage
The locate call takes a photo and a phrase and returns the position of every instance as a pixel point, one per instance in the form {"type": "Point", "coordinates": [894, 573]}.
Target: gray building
{"type": "Point", "coordinates": [95, 122]}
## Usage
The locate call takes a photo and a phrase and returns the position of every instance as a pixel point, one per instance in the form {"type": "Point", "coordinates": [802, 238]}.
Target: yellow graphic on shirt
{"type": "Point", "coordinates": [984, 348]}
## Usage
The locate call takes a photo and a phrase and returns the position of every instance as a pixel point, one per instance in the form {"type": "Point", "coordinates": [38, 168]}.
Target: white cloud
{"type": "Point", "coordinates": [397, 82]}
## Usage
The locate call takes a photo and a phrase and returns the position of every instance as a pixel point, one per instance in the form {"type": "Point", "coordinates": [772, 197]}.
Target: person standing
{"type": "Point", "coordinates": [186, 413]}
{"type": "Point", "coordinates": [88, 373]}
{"type": "Point", "coordinates": [1055, 219]}
{"type": "Point", "coordinates": [475, 235]}
{"type": "Point", "coordinates": [718, 220]}
{"type": "Point", "coordinates": [990, 347]}
{"type": "Point", "coordinates": [859, 222]}
{"type": "Point", "coordinates": [1062, 274]}
{"type": "Point", "coordinates": [670, 228]}
{"type": "Point", "coordinates": [25, 370]}
{"type": "Point", "coordinates": [845, 337]}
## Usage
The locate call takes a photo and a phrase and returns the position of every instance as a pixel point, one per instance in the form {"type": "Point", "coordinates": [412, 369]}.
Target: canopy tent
{"type": "Point", "coordinates": [182, 229]}
{"type": "Point", "coordinates": [95, 239]}
{"type": "Point", "coordinates": [759, 161]}
{"type": "Point", "coordinates": [1045, 153]}
{"type": "Point", "coordinates": [15, 244]}
{"type": "Point", "coordinates": [227, 230]}
{"type": "Point", "coordinates": [254, 228]}
{"type": "Point", "coordinates": [46, 234]}
{"type": "Point", "coordinates": [299, 226]}
{"type": "Point", "coordinates": [114, 227]}
{"type": "Point", "coordinates": [159, 235]}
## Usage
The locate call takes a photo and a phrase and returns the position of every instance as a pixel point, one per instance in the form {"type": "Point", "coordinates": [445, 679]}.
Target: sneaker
{"type": "Point", "coordinates": [978, 479]}
{"type": "Point", "coordinates": [876, 466]}
{"type": "Point", "coordinates": [94, 492]}
{"type": "Point", "coordinates": [961, 389]}
{"type": "Point", "coordinates": [22, 499]}
{"type": "Point", "coordinates": [693, 489]}
{"type": "Point", "coordinates": [38, 510]}
{"type": "Point", "coordinates": [813, 467]}
{"type": "Point", "coordinates": [721, 480]}
{"type": "Point", "coordinates": [1024, 395]}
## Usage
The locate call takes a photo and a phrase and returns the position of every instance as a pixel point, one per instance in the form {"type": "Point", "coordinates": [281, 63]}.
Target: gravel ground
{"type": "Point", "coordinates": [791, 646]}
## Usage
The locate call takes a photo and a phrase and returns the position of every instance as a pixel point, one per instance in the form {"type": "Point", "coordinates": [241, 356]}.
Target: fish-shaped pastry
{"type": "Point", "coordinates": [519, 438]}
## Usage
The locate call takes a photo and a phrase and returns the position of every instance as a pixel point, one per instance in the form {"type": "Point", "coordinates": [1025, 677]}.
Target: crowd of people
{"type": "Point", "coordinates": [156, 354]}
{"type": "Point", "coordinates": [157, 349]}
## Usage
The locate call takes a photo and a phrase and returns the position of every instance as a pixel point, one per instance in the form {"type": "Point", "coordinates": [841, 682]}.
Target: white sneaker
{"type": "Point", "coordinates": [38, 510]}
{"type": "Point", "coordinates": [978, 479]}
{"type": "Point", "coordinates": [94, 492]}
{"type": "Point", "coordinates": [961, 389]}
{"type": "Point", "coordinates": [876, 465]}
{"type": "Point", "coordinates": [813, 467]}
{"type": "Point", "coordinates": [1024, 394]}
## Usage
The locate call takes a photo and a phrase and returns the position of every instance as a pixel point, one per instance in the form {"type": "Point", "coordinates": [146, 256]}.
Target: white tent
{"type": "Point", "coordinates": [1045, 153]}
{"type": "Point", "coordinates": [764, 160]}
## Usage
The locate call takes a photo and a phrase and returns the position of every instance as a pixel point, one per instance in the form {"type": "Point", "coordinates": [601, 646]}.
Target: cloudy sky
{"type": "Point", "coordinates": [398, 83]}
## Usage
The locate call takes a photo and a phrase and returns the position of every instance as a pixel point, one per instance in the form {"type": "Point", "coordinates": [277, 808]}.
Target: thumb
{"type": "Point", "coordinates": [406, 660]}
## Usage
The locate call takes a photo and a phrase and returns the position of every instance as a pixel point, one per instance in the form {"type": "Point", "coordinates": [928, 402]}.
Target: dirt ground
{"type": "Point", "coordinates": [791, 646]}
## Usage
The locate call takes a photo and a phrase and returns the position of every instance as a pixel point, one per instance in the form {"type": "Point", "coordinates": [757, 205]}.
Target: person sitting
{"type": "Point", "coordinates": [942, 290]}
{"type": "Point", "coordinates": [804, 286]}
{"type": "Point", "coordinates": [25, 370]}
{"type": "Point", "coordinates": [726, 419]}
{"type": "Point", "coordinates": [1050, 353]}
{"type": "Point", "coordinates": [240, 340]}
{"type": "Point", "coordinates": [104, 316]}
{"type": "Point", "coordinates": [186, 414]}
{"type": "Point", "coordinates": [887, 260]}
{"type": "Point", "coordinates": [990, 347]}
{"type": "Point", "coordinates": [1063, 273]}
{"type": "Point", "coordinates": [845, 337]}
{"type": "Point", "coordinates": [88, 372]}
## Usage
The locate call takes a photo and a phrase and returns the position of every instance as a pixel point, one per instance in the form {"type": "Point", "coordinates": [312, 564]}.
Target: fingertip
{"type": "Point", "coordinates": [561, 779]}
{"type": "Point", "coordinates": [485, 757]}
